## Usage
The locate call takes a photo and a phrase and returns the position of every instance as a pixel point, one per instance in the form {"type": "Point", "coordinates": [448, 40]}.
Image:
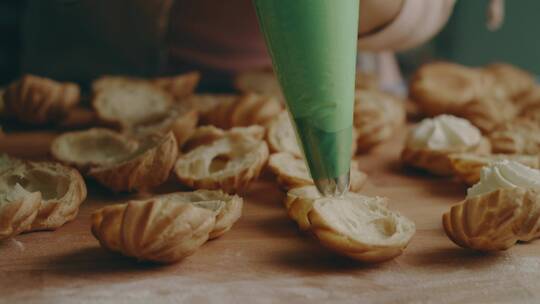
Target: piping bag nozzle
{"type": "Point", "coordinates": [333, 187]}
{"type": "Point", "coordinates": [313, 45]}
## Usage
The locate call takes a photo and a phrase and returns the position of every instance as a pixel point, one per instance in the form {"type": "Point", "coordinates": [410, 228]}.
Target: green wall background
{"type": "Point", "coordinates": [467, 41]}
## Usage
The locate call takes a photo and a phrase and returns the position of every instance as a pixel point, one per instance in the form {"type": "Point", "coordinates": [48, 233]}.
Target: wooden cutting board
{"type": "Point", "coordinates": [265, 259]}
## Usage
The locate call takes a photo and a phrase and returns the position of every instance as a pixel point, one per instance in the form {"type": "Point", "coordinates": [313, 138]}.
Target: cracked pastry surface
{"type": "Point", "coordinates": [219, 159]}
{"type": "Point", "coordinates": [360, 227]}
{"type": "Point", "coordinates": [61, 190]}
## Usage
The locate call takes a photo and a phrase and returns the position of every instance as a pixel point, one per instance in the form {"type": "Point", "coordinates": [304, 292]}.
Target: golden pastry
{"type": "Point", "coordinates": [181, 119]}
{"type": "Point", "coordinates": [228, 160]}
{"type": "Point", "coordinates": [467, 166]}
{"type": "Point", "coordinates": [179, 86]}
{"type": "Point", "coordinates": [488, 112]}
{"type": "Point", "coordinates": [147, 167]}
{"type": "Point", "coordinates": [206, 103]}
{"type": "Point", "coordinates": [162, 229]}
{"type": "Point", "coordinates": [18, 209]}
{"type": "Point", "coordinates": [262, 82]}
{"type": "Point", "coordinates": [228, 208]}
{"type": "Point", "coordinates": [360, 227]}
{"type": "Point", "coordinates": [130, 103]}
{"type": "Point", "coordinates": [250, 109]}
{"type": "Point", "coordinates": [441, 87]}
{"type": "Point", "coordinates": [430, 143]}
{"type": "Point", "coordinates": [62, 190]}
{"type": "Point", "coordinates": [299, 202]}
{"type": "Point", "coordinates": [281, 136]}
{"type": "Point", "coordinates": [514, 81]}
{"type": "Point", "coordinates": [501, 209]}
{"type": "Point", "coordinates": [521, 136]}
{"type": "Point", "coordinates": [531, 112]}
{"type": "Point", "coordinates": [366, 80]}
{"type": "Point", "coordinates": [377, 116]}
{"type": "Point", "coordinates": [92, 148]}
{"type": "Point", "coordinates": [292, 172]}
{"type": "Point", "coordinates": [119, 162]}
{"type": "Point", "coordinates": [38, 100]}
{"type": "Point", "coordinates": [531, 98]}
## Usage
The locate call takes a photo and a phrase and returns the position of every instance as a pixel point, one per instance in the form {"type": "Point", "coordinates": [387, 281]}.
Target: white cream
{"type": "Point", "coordinates": [505, 174]}
{"type": "Point", "coordinates": [444, 132]}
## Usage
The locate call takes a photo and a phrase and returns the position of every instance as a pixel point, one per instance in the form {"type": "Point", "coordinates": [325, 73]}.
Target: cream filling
{"type": "Point", "coordinates": [444, 132]}
{"type": "Point", "coordinates": [505, 174]}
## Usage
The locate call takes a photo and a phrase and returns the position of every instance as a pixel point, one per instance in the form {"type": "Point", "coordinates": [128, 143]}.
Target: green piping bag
{"type": "Point", "coordinates": [313, 47]}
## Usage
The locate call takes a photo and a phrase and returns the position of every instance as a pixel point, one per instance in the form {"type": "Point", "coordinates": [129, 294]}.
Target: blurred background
{"type": "Point", "coordinates": [27, 40]}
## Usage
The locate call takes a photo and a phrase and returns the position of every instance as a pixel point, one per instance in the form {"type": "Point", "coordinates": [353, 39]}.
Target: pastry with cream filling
{"type": "Point", "coordinates": [500, 210]}
{"type": "Point", "coordinates": [433, 140]}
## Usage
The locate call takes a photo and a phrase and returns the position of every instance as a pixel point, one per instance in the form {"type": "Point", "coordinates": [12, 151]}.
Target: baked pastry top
{"type": "Point", "coordinates": [521, 136]}
{"type": "Point", "coordinates": [165, 228]}
{"type": "Point", "coordinates": [38, 100]}
{"type": "Point", "coordinates": [377, 117]}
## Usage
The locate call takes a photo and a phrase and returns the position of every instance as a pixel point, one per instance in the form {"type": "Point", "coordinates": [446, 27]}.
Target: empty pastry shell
{"type": "Point", "coordinates": [218, 159]}
{"type": "Point", "coordinates": [360, 227]}
{"type": "Point", "coordinates": [62, 190]}
{"type": "Point", "coordinates": [147, 167]}
{"type": "Point", "coordinates": [92, 148]}
{"type": "Point", "coordinates": [130, 102]}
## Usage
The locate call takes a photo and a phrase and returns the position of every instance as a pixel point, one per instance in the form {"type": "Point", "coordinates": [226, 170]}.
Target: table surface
{"type": "Point", "coordinates": [264, 258]}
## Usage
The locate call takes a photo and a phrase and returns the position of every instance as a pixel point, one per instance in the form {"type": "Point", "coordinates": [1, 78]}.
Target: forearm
{"type": "Point", "coordinates": [402, 24]}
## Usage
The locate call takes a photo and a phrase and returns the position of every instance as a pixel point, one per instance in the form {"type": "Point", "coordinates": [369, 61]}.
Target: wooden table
{"type": "Point", "coordinates": [265, 259]}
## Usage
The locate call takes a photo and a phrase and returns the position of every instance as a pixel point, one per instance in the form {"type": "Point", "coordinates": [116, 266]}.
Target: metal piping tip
{"type": "Point", "coordinates": [333, 186]}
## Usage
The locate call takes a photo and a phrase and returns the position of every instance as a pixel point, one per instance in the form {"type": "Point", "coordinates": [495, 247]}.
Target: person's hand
{"type": "Point", "coordinates": [375, 14]}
